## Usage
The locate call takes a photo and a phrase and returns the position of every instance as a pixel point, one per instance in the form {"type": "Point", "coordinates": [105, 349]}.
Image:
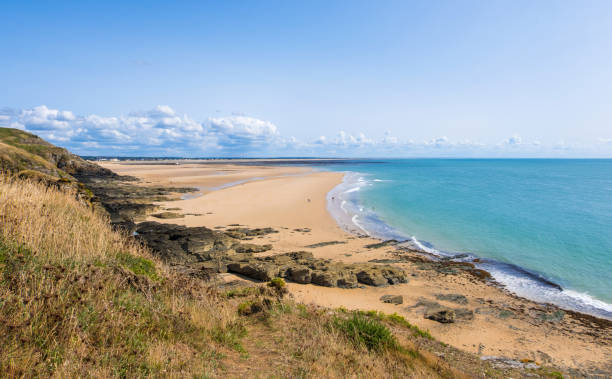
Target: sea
{"type": "Point", "coordinates": [541, 227]}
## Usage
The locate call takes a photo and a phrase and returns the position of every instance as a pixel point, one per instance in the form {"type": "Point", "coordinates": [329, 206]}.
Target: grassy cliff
{"type": "Point", "coordinates": [22, 151]}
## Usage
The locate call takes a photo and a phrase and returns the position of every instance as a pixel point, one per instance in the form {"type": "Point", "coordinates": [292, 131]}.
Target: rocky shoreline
{"type": "Point", "coordinates": [206, 252]}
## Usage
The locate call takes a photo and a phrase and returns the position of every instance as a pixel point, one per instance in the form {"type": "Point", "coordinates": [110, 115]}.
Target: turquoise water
{"type": "Point", "coordinates": [536, 220]}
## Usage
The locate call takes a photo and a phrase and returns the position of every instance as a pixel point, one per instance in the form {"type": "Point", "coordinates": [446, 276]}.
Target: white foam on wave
{"type": "Point", "coordinates": [355, 189]}
{"type": "Point", "coordinates": [531, 288]}
{"type": "Point", "coordinates": [424, 248]}
{"type": "Point", "coordinates": [355, 221]}
{"type": "Point", "coordinates": [343, 206]}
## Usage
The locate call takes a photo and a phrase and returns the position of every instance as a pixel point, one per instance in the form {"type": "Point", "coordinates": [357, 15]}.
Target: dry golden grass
{"type": "Point", "coordinates": [78, 299]}
{"type": "Point", "coordinates": [55, 225]}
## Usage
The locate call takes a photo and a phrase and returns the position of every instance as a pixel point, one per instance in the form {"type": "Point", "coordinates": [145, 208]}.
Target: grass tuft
{"type": "Point", "coordinates": [138, 265]}
{"type": "Point", "coordinates": [277, 283]}
{"type": "Point", "coordinates": [366, 332]}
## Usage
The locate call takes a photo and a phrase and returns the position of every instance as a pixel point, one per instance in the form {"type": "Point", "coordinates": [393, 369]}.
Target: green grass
{"type": "Point", "coordinates": [277, 283]}
{"type": "Point", "coordinates": [393, 319]}
{"type": "Point", "coordinates": [138, 265]}
{"type": "Point", "coordinates": [366, 332]}
{"type": "Point", "coordinates": [231, 336]}
{"type": "Point", "coordinates": [246, 308]}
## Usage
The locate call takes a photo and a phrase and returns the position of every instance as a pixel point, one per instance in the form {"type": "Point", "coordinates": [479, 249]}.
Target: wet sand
{"type": "Point", "coordinates": [293, 201]}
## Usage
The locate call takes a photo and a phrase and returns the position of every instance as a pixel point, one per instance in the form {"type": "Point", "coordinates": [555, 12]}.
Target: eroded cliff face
{"type": "Point", "coordinates": [28, 156]}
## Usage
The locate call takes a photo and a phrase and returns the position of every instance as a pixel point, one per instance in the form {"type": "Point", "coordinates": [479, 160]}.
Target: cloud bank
{"type": "Point", "coordinates": [162, 131]}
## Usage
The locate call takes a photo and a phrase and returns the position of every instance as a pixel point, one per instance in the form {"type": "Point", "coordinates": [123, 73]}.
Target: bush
{"type": "Point", "coordinates": [365, 331]}
{"type": "Point", "coordinates": [277, 283]}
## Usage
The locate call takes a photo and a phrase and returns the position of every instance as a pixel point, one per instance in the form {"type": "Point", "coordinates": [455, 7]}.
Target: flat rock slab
{"type": "Point", "coordinates": [246, 233]}
{"type": "Point", "coordinates": [167, 215]}
{"type": "Point", "coordinates": [443, 315]}
{"type": "Point", "coordinates": [382, 244]}
{"type": "Point", "coordinates": [323, 244]}
{"type": "Point", "coordinates": [438, 312]}
{"type": "Point", "coordinates": [177, 244]}
{"type": "Point", "coordinates": [392, 299]}
{"type": "Point", "coordinates": [452, 297]}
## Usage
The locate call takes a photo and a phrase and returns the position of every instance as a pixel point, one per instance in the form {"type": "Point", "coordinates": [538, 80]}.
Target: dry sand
{"type": "Point", "coordinates": [290, 198]}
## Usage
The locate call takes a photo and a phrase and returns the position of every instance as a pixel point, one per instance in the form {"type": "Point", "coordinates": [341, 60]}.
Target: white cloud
{"type": "Point", "coordinates": [240, 132]}
{"type": "Point", "coordinates": [163, 131]}
{"type": "Point", "coordinates": [157, 130]}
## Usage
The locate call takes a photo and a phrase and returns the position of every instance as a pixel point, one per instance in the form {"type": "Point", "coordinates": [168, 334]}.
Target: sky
{"type": "Point", "coordinates": [316, 78]}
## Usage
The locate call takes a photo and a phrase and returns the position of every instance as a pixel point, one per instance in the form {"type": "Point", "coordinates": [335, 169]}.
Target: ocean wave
{"type": "Point", "coordinates": [346, 207]}
{"type": "Point", "coordinates": [420, 246]}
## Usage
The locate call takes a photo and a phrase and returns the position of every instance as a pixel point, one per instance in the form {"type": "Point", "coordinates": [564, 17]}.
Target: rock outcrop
{"type": "Point", "coordinates": [302, 267]}
{"type": "Point", "coordinates": [216, 251]}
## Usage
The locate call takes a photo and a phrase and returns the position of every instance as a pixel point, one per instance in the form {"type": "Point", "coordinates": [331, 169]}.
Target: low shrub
{"type": "Point", "coordinates": [277, 283]}
{"type": "Point", "coordinates": [367, 332]}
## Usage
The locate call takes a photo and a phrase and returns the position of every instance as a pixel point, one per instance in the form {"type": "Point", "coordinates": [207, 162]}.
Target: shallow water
{"type": "Point", "coordinates": [533, 220]}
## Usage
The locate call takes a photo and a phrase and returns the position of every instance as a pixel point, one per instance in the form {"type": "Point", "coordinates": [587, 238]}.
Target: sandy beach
{"type": "Point", "coordinates": [292, 200]}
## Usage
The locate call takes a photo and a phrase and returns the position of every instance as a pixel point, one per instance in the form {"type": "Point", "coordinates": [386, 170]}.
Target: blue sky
{"type": "Point", "coordinates": [325, 78]}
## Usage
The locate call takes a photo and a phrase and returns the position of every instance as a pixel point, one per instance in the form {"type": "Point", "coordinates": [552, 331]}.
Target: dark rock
{"type": "Point", "coordinates": [464, 314]}
{"type": "Point", "coordinates": [386, 260]}
{"type": "Point", "coordinates": [504, 314]}
{"type": "Point", "coordinates": [250, 248]}
{"type": "Point", "coordinates": [167, 215]}
{"type": "Point", "coordinates": [333, 278]}
{"type": "Point", "coordinates": [453, 297]}
{"type": "Point", "coordinates": [254, 269]}
{"type": "Point", "coordinates": [394, 275]}
{"type": "Point", "coordinates": [346, 280]}
{"type": "Point", "coordinates": [442, 315]}
{"type": "Point", "coordinates": [393, 299]}
{"type": "Point", "coordinates": [371, 277]}
{"type": "Point", "coordinates": [177, 244]}
{"type": "Point", "coordinates": [300, 274]}
{"type": "Point", "coordinates": [553, 317]}
{"type": "Point", "coordinates": [458, 256]}
{"type": "Point", "coordinates": [245, 233]}
{"type": "Point", "coordinates": [322, 244]}
{"type": "Point", "coordinates": [382, 244]}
